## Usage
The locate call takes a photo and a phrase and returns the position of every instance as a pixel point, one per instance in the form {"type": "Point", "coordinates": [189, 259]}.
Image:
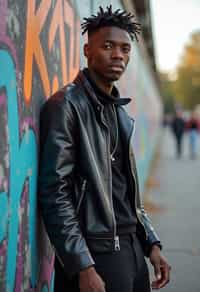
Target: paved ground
{"type": "Point", "coordinates": [174, 207]}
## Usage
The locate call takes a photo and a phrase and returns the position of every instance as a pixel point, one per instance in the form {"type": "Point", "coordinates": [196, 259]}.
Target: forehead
{"type": "Point", "coordinates": [111, 33]}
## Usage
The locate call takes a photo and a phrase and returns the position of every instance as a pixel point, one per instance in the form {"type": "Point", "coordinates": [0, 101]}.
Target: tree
{"type": "Point", "coordinates": [166, 86]}
{"type": "Point", "coordinates": [187, 85]}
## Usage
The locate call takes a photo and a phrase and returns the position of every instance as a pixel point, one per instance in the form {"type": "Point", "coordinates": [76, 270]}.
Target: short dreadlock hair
{"type": "Point", "coordinates": [107, 17]}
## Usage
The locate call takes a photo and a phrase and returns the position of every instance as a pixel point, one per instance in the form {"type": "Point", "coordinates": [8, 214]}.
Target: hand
{"type": "Point", "coordinates": [90, 281]}
{"type": "Point", "coordinates": [161, 268]}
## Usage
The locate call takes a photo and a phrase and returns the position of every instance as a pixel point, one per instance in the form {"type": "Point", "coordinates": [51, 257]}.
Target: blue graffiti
{"type": "Point", "coordinates": [51, 288]}
{"type": "Point", "coordinates": [52, 281]}
{"type": "Point", "coordinates": [23, 166]}
{"type": "Point", "coordinates": [45, 289]}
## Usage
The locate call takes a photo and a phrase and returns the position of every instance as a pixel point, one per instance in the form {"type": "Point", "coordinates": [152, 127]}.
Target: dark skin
{"type": "Point", "coordinates": [108, 52]}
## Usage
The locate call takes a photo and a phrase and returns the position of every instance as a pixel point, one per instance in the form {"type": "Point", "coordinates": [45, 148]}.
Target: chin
{"type": "Point", "coordinates": [114, 77]}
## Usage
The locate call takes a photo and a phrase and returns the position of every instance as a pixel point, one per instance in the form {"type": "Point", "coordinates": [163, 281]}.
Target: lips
{"type": "Point", "coordinates": [117, 67]}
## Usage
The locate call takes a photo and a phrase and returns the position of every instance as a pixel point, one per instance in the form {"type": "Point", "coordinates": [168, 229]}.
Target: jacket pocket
{"type": "Point", "coordinates": [82, 193]}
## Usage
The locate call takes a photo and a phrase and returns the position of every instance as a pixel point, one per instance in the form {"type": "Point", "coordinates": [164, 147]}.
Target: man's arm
{"type": "Point", "coordinates": [153, 251]}
{"type": "Point", "coordinates": [161, 268]}
{"type": "Point", "coordinates": [56, 185]}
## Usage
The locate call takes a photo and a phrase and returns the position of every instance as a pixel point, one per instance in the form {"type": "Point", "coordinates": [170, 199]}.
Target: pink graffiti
{"type": "Point", "coordinates": [2, 99]}
{"type": "Point", "coordinates": [20, 259]}
{"type": "Point", "coordinates": [3, 37]}
{"type": "Point", "coordinates": [27, 123]}
{"type": "Point", "coordinates": [46, 271]}
{"type": "Point", "coordinates": [3, 248]}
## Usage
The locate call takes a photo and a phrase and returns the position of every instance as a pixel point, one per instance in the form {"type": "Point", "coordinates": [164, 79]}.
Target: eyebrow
{"type": "Point", "coordinates": [117, 42]}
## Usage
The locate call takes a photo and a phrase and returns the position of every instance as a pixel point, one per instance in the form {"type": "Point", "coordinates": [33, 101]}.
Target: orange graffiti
{"type": "Point", "coordinates": [62, 14]}
{"type": "Point", "coordinates": [74, 42]}
{"type": "Point", "coordinates": [34, 26]}
{"type": "Point", "coordinates": [55, 84]}
{"type": "Point", "coordinates": [58, 23]}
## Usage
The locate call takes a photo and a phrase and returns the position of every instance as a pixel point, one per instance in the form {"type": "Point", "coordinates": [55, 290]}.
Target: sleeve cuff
{"type": "Point", "coordinates": [80, 262]}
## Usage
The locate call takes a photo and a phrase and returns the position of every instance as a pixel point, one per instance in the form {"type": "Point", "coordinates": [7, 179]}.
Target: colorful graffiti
{"type": "Point", "coordinates": [22, 171]}
{"type": "Point", "coordinates": [34, 62]}
{"type": "Point", "coordinates": [63, 15]}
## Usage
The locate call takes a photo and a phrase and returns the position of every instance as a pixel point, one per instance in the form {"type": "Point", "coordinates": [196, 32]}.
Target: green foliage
{"type": "Point", "coordinates": [187, 85]}
{"type": "Point", "coordinates": [166, 86]}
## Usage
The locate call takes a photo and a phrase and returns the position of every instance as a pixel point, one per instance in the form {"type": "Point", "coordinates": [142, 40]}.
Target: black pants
{"type": "Point", "coordinates": [179, 145]}
{"type": "Point", "coordinates": [122, 271]}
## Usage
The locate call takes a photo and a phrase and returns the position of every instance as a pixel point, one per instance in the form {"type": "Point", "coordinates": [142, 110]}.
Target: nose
{"type": "Point", "coordinates": [117, 53]}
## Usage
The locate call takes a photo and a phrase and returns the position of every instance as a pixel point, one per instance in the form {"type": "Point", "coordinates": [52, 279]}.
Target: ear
{"type": "Point", "coordinates": [86, 50]}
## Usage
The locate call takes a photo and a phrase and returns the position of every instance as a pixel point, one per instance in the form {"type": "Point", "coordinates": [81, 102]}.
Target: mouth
{"type": "Point", "coordinates": [117, 68]}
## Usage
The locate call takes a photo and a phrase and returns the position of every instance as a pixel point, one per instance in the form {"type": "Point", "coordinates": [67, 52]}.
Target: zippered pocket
{"type": "Point", "coordinates": [83, 189]}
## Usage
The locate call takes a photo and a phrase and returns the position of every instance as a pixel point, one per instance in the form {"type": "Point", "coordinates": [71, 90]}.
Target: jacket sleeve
{"type": "Point", "coordinates": [145, 231]}
{"type": "Point", "coordinates": [56, 185]}
{"type": "Point", "coordinates": [151, 236]}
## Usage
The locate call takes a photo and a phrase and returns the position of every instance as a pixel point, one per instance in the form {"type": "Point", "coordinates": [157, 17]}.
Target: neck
{"type": "Point", "coordinates": [104, 85]}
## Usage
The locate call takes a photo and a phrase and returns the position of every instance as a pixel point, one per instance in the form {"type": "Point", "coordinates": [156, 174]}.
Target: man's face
{"type": "Point", "coordinates": [108, 52]}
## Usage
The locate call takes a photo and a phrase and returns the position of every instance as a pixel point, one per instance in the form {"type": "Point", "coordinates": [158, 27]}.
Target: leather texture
{"type": "Point", "coordinates": [75, 179]}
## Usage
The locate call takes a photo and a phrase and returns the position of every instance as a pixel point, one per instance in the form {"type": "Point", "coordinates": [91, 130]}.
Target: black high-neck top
{"type": "Point", "coordinates": [124, 214]}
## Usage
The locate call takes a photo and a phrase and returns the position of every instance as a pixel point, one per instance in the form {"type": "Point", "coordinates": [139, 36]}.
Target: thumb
{"type": "Point", "coordinates": [157, 271]}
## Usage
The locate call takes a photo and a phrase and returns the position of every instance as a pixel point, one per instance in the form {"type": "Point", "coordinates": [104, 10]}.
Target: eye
{"type": "Point", "coordinates": [107, 46]}
{"type": "Point", "coordinates": [126, 49]}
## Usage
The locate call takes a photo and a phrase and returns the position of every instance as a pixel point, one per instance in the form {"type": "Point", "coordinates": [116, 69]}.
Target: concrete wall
{"type": "Point", "coordinates": [39, 52]}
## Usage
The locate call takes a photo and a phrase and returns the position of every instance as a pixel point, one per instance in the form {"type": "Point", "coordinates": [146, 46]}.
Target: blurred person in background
{"type": "Point", "coordinates": [178, 128]}
{"type": "Point", "coordinates": [193, 128]}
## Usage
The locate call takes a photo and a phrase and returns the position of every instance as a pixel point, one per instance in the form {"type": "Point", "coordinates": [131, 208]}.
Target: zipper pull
{"type": "Point", "coordinates": [112, 157]}
{"type": "Point", "coordinates": [117, 245]}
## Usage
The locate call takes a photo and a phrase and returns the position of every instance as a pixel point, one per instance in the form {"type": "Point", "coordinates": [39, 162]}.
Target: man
{"type": "Point", "coordinates": [192, 126]}
{"type": "Point", "coordinates": [88, 185]}
{"type": "Point", "coordinates": [178, 128]}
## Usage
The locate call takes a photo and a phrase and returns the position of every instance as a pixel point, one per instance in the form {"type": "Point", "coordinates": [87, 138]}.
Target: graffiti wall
{"type": "Point", "coordinates": [40, 52]}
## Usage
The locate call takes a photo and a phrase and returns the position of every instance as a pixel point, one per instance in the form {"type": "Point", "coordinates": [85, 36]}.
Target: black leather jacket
{"type": "Point", "coordinates": [75, 178]}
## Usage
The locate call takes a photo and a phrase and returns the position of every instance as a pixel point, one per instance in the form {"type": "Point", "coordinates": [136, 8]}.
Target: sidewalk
{"type": "Point", "coordinates": [173, 204]}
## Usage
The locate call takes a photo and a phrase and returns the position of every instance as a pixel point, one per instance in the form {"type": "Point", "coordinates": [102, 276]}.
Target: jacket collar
{"type": "Point", "coordinates": [85, 82]}
{"type": "Point", "coordinates": [82, 81]}
{"type": "Point", "coordinates": [125, 122]}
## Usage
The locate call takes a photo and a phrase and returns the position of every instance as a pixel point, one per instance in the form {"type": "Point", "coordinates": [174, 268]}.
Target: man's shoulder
{"type": "Point", "coordinates": [70, 93]}
{"type": "Point", "coordinates": [71, 98]}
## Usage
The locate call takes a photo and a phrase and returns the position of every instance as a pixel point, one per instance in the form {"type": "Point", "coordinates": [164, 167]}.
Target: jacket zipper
{"type": "Point", "coordinates": [116, 237]}
{"type": "Point", "coordinates": [136, 187]}
{"type": "Point", "coordinates": [83, 188]}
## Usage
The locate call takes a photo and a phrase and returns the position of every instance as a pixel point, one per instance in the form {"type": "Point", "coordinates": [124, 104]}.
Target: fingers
{"type": "Point", "coordinates": [164, 277]}
{"type": "Point", "coordinates": [90, 281]}
{"type": "Point", "coordinates": [157, 271]}
{"type": "Point", "coordinates": [161, 268]}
